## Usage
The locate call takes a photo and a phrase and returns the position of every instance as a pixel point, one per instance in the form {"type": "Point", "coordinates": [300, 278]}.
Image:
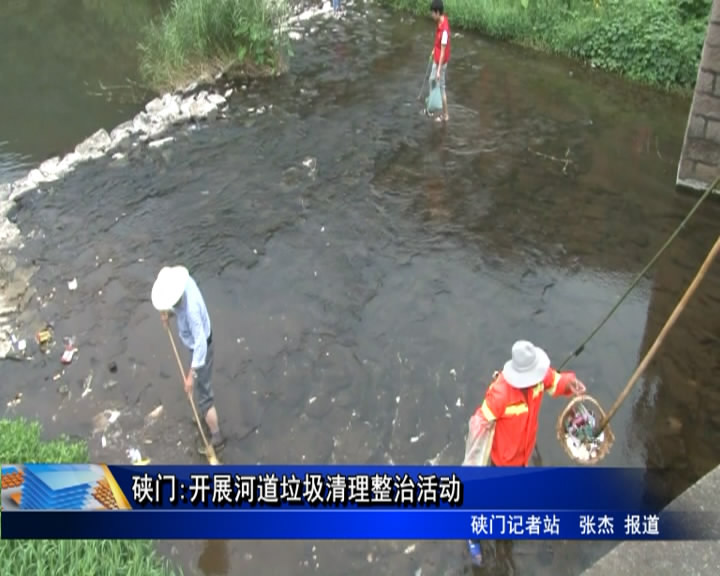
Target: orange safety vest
{"type": "Point", "coordinates": [515, 413]}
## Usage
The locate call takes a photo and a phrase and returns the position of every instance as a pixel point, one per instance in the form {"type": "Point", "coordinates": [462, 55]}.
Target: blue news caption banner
{"type": "Point", "coordinates": [346, 524]}
{"type": "Point", "coordinates": [385, 487]}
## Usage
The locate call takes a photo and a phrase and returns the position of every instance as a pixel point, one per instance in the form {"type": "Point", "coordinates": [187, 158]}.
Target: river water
{"type": "Point", "coordinates": [366, 270]}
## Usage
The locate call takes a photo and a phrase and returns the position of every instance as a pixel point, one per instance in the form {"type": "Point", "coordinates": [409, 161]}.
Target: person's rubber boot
{"type": "Point", "coordinates": [475, 553]}
{"type": "Point", "coordinates": [217, 441]}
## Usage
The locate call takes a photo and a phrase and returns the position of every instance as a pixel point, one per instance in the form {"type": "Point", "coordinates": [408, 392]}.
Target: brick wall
{"type": "Point", "coordinates": [700, 158]}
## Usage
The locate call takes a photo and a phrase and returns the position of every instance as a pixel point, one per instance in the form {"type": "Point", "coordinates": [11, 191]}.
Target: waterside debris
{"type": "Point", "coordinates": [580, 433]}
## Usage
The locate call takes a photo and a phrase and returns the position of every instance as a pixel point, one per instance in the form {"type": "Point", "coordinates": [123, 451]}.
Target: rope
{"type": "Point", "coordinates": [642, 273]}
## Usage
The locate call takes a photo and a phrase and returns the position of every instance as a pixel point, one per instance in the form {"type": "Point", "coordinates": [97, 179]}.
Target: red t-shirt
{"type": "Point", "coordinates": [443, 28]}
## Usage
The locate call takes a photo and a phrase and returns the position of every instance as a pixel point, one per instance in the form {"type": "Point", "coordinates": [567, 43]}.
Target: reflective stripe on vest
{"type": "Point", "coordinates": [553, 388]}
{"type": "Point", "coordinates": [519, 407]}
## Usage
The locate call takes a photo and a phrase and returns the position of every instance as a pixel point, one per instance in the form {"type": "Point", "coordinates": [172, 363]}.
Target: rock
{"type": "Point", "coordinates": [35, 176]}
{"type": "Point", "coordinates": [68, 163]}
{"type": "Point", "coordinates": [200, 109]}
{"type": "Point", "coordinates": [49, 169]}
{"type": "Point", "coordinates": [94, 146]}
{"type": "Point", "coordinates": [154, 106]}
{"type": "Point", "coordinates": [19, 187]}
{"type": "Point", "coordinates": [156, 127]}
{"type": "Point", "coordinates": [165, 110]}
{"type": "Point", "coordinates": [216, 99]}
{"type": "Point", "coordinates": [190, 88]}
{"type": "Point", "coordinates": [141, 122]}
{"type": "Point", "coordinates": [120, 133]}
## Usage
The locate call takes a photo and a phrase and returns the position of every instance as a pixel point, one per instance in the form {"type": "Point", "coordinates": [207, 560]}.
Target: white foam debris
{"type": "Point", "coordinates": [161, 142]}
{"type": "Point", "coordinates": [415, 439]}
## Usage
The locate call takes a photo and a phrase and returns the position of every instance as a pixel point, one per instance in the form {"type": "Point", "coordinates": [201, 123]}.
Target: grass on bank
{"type": "Point", "coordinates": [196, 39]}
{"type": "Point", "coordinates": [655, 42]}
{"type": "Point", "coordinates": [20, 442]}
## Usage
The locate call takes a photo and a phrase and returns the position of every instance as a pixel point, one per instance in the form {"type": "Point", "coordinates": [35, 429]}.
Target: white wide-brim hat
{"type": "Point", "coordinates": [527, 367]}
{"type": "Point", "coordinates": [169, 287]}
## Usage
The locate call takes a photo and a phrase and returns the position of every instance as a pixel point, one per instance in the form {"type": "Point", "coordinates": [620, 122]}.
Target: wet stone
{"type": "Point", "coordinates": [290, 384]}
{"type": "Point", "coordinates": [356, 443]}
{"type": "Point", "coordinates": [319, 407]}
{"type": "Point", "coordinates": [94, 146]}
{"type": "Point", "coordinates": [332, 368]}
{"type": "Point", "coordinates": [344, 398]}
{"type": "Point", "coordinates": [303, 439]}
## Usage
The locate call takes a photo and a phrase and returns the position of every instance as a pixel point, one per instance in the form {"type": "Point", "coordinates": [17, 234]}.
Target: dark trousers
{"type": "Point", "coordinates": [203, 391]}
{"type": "Point", "coordinates": [503, 548]}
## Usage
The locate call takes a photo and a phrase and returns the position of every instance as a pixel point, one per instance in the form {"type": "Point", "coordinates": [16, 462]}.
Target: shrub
{"type": "Point", "coordinates": [655, 42]}
{"type": "Point", "coordinates": [20, 442]}
{"type": "Point", "coordinates": [197, 38]}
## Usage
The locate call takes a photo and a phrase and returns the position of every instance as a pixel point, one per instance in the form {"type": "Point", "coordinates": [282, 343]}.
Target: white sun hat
{"type": "Point", "coordinates": [527, 367]}
{"type": "Point", "coordinates": [169, 287]}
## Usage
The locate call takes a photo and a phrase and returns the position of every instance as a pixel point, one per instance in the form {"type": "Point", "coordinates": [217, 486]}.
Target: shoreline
{"type": "Point", "coordinates": [198, 102]}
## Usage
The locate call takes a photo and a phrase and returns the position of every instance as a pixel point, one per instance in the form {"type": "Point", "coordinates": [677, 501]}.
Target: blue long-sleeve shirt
{"type": "Point", "coordinates": [193, 323]}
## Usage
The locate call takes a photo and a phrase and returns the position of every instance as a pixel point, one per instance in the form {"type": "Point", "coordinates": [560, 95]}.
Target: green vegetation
{"type": "Point", "coordinates": [656, 42]}
{"type": "Point", "coordinates": [197, 39]}
{"type": "Point", "coordinates": [20, 442]}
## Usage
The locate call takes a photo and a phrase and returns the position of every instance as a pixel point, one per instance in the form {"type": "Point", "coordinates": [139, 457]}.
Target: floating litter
{"type": "Point", "coordinates": [576, 431]}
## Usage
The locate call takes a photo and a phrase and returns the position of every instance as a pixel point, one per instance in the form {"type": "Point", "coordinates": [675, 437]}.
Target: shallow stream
{"type": "Point", "coordinates": [366, 270]}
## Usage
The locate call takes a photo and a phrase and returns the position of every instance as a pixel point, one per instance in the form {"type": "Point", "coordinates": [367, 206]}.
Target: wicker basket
{"type": "Point", "coordinates": [608, 437]}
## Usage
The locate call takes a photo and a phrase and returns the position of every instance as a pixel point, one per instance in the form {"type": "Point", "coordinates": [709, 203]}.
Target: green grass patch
{"type": "Point", "coordinates": [196, 39]}
{"type": "Point", "coordinates": [655, 42]}
{"type": "Point", "coordinates": [21, 442]}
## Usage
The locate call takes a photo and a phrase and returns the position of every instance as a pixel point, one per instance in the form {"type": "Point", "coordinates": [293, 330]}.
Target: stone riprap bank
{"type": "Point", "coordinates": [160, 114]}
{"type": "Point", "coordinates": [700, 158]}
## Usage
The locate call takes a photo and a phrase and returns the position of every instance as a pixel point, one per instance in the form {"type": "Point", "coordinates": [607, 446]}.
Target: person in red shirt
{"type": "Point", "coordinates": [513, 403]}
{"type": "Point", "coordinates": [441, 52]}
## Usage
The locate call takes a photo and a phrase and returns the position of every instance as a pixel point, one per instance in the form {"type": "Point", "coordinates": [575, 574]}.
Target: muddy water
{"type": "Point", "coordinates": [366, 271]}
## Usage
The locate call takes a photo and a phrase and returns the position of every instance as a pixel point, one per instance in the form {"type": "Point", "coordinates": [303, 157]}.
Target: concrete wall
{"type": "Point", "coordinates": [676, 558]}
{"type": "Point", "coordinates": [700, 158]}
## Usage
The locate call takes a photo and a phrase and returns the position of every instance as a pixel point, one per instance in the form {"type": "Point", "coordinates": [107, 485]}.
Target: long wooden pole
{"type": "Point", "coordinates": [661, 336]}
{"type": "Point", "coordinates": [209, 450]}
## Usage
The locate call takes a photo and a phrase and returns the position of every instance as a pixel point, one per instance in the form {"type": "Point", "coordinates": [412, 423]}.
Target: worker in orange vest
{"type": "Point", "coordinates": [513, 402]}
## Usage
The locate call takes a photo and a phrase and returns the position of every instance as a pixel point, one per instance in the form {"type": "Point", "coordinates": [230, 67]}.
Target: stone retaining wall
{"type": "Point", "coordinates": [700, 158]}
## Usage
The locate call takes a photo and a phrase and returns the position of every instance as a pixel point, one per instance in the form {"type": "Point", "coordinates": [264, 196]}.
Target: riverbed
{"type": "Point", "coordinates": [366, 270]}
